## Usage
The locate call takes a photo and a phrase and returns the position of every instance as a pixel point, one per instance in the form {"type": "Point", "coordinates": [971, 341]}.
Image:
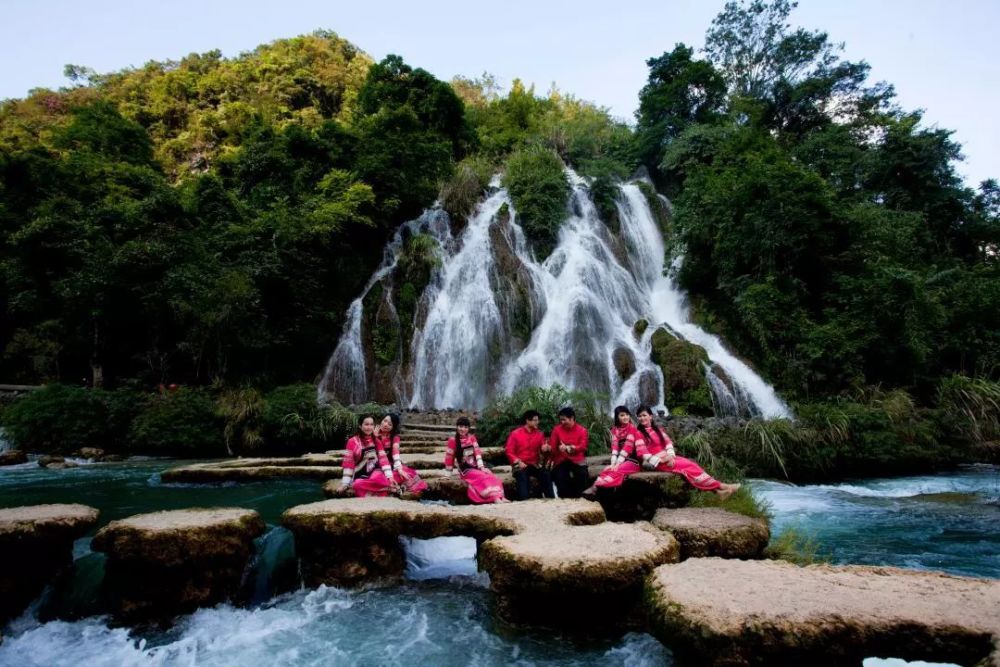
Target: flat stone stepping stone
{"type": "Point", "coordinates": [559, 550]}
{"type": "Point", "coordinates": [710, 531]}
{"type": "Point", "coordinates": [539, 576]}
{"type": "Point", "coordinates": [310, 466]}
{"type": "Point", "coordinates": [714, 611]}
{"type": "Point", "coordinates": [167, 563]}
{"type": "Point", "coordinates": [36, 546]}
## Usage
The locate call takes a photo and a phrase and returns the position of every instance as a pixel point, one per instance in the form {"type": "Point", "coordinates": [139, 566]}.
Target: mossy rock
{"type": "Point", "coordinates": [715, 611]}
{"type": "Point", "coordinates": [661, 211]}
{"type": "Point", "coordinates": [683, 366]}
{"type": "Point", "coordinates": [167, 563]}
{"type": "Point", "coordinates": [710, 531]}
{"type": "Point", "coordinates": [624, 362]}
{"type": "Point", "coordinates": [639, 328]}
{"type": "Point", "coordinates": [36, 543]}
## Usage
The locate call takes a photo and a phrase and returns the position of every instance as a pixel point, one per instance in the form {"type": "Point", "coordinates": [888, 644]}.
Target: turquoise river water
{"type": "Point", "coordinates": [442, 614]}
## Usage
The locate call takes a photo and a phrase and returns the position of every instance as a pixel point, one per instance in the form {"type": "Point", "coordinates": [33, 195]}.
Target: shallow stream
{"type": "Point", "coordinates": [442, 614]}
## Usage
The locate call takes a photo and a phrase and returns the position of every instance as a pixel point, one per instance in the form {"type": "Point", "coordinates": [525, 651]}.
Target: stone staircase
{"type": "Point", "coordinates": [422, 445]}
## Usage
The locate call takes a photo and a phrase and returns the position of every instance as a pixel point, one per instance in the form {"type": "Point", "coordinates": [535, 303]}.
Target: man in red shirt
{"type": "Point", "coordinates": [569, 455]}
{"type": "Point", "coordinates": [528, 455]}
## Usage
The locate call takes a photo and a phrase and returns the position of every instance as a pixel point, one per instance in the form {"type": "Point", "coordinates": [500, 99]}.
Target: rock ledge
{"type": "Point", "coordinates": [735, 612]}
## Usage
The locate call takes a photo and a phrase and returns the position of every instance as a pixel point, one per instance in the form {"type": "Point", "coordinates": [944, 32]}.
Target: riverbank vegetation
{"type": "Point", "coordinates": [206, 222]}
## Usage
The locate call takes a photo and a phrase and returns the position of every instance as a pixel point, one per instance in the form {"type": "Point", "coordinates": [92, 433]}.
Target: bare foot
{"type": "Point", "coordinates": [726, 490]}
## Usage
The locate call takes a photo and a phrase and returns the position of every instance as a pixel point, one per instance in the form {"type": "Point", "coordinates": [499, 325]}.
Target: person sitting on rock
{"type": "Point", "coordinates": [569, 455]}
{"type": "Point", "coordinates": [482, 486]}
{"type": "Point", "coordinates": [527, 451]}
{"type": "Point", "coordinates": [625, 440]}
{"type": "Point", "coordinates": [366, 467]}
{"type": "Point", "coordinates": [406, 478]}
{"type": "Point", "coordinates": [657, 453]}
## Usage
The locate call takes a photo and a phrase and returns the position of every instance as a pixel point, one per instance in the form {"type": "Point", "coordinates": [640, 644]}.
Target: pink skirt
{"type": "Point", "coordinates": [609, 479]}
{"type": "Point", "coordinates": [483, 486]}
{"type": "Point", "coordinates": [409, 480]}
{"type": "Point", "coordinates": [692, 472]}
{"type": "Point", "coordinates": [375, 484]}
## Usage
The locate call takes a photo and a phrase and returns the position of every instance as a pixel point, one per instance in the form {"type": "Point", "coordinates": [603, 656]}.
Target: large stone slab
{"type": "Point", "coordinates": [541, 577]}
{"type": "Point", "coordinates": [739, 612]}
{"type": "Point", "coordinates": [36, 545]}
{"type": "Point", "coordinates": [310, 466]}
{"type": "Point", "coordinates": [710, 531]}
{"type": "Point", "coordinates": [167, 563]}
{"type": "Point", "coordinates": [544, 557]}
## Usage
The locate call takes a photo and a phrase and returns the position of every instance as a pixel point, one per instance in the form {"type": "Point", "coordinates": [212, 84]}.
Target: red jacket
{"type": "Point", "coordinates": [576, 436]}
{"type": "Point", "coordinates": [657, 443]}
{"type": "Point", "coordinates": [525, 447]}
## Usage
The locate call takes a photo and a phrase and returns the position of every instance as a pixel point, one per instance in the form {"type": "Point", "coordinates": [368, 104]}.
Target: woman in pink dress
{"type": "Point", "coordinates": [463, 449]}
{"type": "Point", "coordinates": [366, 467]}
{"type": "Point", "coordinates": [407, 479]}
{"type": "Point", "coordinates": [625, 443]}
{"type": "Point", "coordinates": [657, 453]}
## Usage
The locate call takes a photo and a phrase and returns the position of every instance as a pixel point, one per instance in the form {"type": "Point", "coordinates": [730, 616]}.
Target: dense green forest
{"type": "Point", "coordinates": [207, 221]}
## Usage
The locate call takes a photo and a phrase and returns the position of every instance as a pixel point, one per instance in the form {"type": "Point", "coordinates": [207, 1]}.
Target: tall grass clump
{"type": "Point", "coordinates": [502, 416]}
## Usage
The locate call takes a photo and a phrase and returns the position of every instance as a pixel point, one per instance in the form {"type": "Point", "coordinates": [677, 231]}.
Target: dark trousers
{"type": "Point", "coordinates": [570, 478]}
{"type": "Point", "coordinates": [523, 480]}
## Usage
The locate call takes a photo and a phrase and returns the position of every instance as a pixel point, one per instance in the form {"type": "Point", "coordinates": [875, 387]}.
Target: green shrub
{"type": "Point", "coordinates": [241, 410]}
{"type": "Point", "coordinates": [537, 184]}
{"type": "Point", "coordinates": [178, 423]}
{"type": "Point", "coordinates": [460, 195]}
{"type": "Point", "coordinates": [504, 415]}
{"type": "Point", "coordinates": [57, 419]}
{"type": "Point", "coordinates": [795, 546]}
{"type": "Point", "coordinates": [973, 405]}
{"type": "Point", "coordinates": [294, 421]}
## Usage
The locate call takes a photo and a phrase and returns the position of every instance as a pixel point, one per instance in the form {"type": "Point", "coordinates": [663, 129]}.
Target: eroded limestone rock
{"type": "Point", "coordinates": [561, 551]}
{"type": "Point", "coordinates": [740, 612]}
{"type": "Point", "coordinates": [36, 545]}
{"type": "Point", "coordinates": [168, 563]}
{"type": "Point", "coordinates": [710, 531]}
{"type": "Point", "coordinates": [542, 577]}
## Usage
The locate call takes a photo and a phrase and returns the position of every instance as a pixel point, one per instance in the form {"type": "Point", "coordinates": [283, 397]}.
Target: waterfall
{"type": "Point", "coordinates": [346, 373]}
{"type": "Point", "coordinates": [494, 318]}
{"type": "Point", "coordinates": [5, 444]}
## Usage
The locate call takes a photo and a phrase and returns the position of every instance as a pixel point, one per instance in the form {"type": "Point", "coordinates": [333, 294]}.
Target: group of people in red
{"type": "Point", "coordinates": [373, 466]}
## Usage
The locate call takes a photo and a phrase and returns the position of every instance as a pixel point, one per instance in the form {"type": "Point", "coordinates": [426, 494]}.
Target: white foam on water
{"type": "Point", "coordinates": [898, 662]}
{"type": "Point", "coordinates": [440, 558]}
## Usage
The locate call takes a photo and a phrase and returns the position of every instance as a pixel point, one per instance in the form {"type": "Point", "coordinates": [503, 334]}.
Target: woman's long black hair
{"type": "Point", "coordinates": [461, 421]}
{"type": "Point", "coordinates": [642, 429]}
{"type": "Point", "coordinates": [618, 410]}
{"type": "Point", "coordinates": [395, 424]}
{"type": "Point", "coordinates": [361, 420]}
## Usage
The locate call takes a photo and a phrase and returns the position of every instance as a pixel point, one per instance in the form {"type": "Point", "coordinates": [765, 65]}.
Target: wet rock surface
{"type": "Point", "coordinates": [168, 563]}
{"type": "Point", "coordinates": [36, 546]}
{"type": "Point", "coordinates": [710, 531]}
{"type": "Point", "coordinates": [13, 457]}
{"type": "Point", "coordinates": [739, 612]}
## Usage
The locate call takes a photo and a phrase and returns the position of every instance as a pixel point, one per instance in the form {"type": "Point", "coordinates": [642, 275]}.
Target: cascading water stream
{"type": "Point", "coordinates": [346, 374]}
{"type": "Point", "coordinates": [496, 319]}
